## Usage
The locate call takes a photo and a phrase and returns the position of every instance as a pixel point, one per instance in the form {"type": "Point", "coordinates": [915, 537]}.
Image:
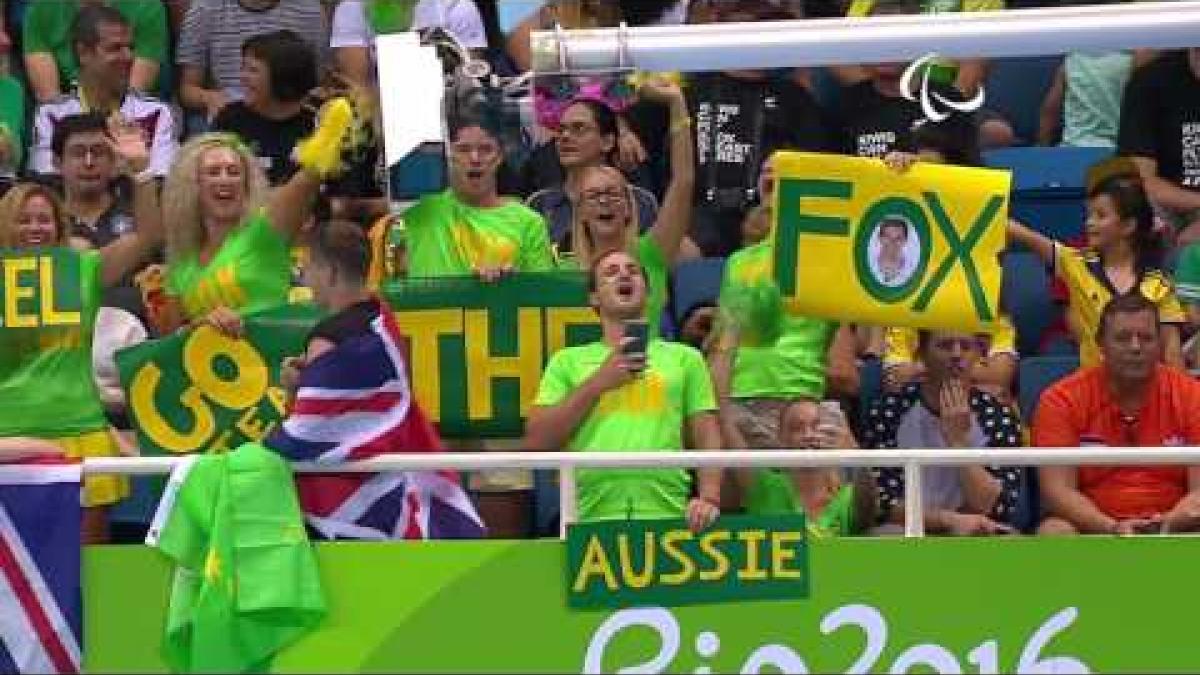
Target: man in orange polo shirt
{"type": "Point", "coordinates": [1129, 400]}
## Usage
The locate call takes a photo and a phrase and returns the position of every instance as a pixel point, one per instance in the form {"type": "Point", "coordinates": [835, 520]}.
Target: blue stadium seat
{"type": "Point", "coordinates": [1049, 186]}
{"type": "Point", "coordinates": [1025, 296]}
{"type": "Point", "coordinates": [1015, 88]}
{"type": "Point", "coordinates": [694, 282]}
{"type": "Point", "coordinates": [1035, 374]}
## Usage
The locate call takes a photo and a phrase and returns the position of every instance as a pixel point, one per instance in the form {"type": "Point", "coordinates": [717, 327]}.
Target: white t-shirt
{"type": "Point", "coordinates": [459, 18]}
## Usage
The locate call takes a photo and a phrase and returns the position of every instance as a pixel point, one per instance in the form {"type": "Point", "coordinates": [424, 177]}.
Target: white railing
{"type": "Point", "coordinates": [910, 460]}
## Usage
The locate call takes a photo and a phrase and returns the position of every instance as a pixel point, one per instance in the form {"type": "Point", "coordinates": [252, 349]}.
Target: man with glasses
{"type": "Point", "coordinates": [1130, 400]}
{"type": "Point", "coordinates": [945, 411]}
{"type": "Point", "coordinates": [470, 228]}
{"type": "Point", "coordinates": [97, 202]}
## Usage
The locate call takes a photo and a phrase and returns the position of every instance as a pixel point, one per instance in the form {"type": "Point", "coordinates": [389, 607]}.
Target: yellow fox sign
{"type": "Point", "coordinates": [856, 241]}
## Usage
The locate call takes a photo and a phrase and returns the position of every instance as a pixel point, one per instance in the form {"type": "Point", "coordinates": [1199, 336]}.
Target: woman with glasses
{"type": "Point", "coordinates": [586, 137]}
{"type": "Point", "coordinates": [607, 218]}
{"type": "Point", "coordinates": [470, 228]}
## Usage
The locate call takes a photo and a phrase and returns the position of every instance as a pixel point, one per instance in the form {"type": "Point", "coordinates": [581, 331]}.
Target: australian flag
{"type": "Point", "coordinates": [40, 600]}
{"type": "Point", "coordinates": [353, 402]}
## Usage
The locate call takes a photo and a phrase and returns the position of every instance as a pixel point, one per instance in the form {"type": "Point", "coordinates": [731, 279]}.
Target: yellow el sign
{"type": "Point", "coordinates": [858, 242]}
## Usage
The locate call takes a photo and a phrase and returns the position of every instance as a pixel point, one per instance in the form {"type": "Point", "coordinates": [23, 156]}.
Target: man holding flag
{"type": "Point", "coordinates": [350, 399]}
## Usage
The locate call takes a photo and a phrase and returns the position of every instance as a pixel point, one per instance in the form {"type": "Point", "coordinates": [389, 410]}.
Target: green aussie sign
{"type": "Point", "coordinates": [962, 605]}
{"type": "Point", "coordinates": [476, 354]}
{"type": "Point", "coordinates": [740, 558]}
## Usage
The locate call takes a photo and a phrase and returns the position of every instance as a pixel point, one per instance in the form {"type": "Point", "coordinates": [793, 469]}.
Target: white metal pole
{"type": "Point", "coordinates": [699, 458]}
{"type": "Point", "coordinates": [914, 501]}
{"type": "Point", "coordinates": [815, 42]}
{"type": "Point", "coordinates": [567, 504]}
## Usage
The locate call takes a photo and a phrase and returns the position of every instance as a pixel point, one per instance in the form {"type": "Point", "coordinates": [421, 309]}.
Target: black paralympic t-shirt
{"type": "Point", "coordinates": [873, 124]}
{"type": "Point", "coordinates": [1160, 118]}
{"type": "Point", "coordinates": [271, 140]}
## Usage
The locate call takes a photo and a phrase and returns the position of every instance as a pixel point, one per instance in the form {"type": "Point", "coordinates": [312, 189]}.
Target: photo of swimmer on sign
{"type": "Point", "coordinates": [923, 245]}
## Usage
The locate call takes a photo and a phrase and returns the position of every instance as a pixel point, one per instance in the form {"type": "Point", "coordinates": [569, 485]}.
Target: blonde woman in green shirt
{"type": "Point", "coordinates": [47, 390]}
{"type": "Point", "coordinates": [606, 216]}
{"type": "Point", "coordinates": [229, 237]}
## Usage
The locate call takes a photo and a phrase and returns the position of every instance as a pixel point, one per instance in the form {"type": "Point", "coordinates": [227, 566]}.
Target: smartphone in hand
{"type": "Point", "coordinates": [637, 335]}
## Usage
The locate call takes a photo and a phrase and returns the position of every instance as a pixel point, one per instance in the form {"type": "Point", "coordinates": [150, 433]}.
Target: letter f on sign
{"type": "Point", "coordinates": [791, 223]}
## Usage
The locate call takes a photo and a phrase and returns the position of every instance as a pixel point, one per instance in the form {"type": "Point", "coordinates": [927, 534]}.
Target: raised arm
{"type": "Point", "coordinates": [318, 156]}
{"type": "Point", "coordinates": [675, 215]}
{"type": "Point", "coordinates": [1037, 242]}
{"type": "Point", "coordinates": [126, 254]}
{"type": "Point", "coordinates": [291, 204]}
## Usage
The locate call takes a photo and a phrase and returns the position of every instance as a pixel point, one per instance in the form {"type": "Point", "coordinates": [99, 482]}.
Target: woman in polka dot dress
{"type": "Point", "coordinates": [944, 411]}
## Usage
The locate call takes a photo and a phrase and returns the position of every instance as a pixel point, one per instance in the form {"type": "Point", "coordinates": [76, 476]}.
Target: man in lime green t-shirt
{"type": "Point", "coordinates": [471, 228]}
{"type": "Point", "coordinates": [50, 59]}
{"type": "Point", "coordinates": [605, 397]}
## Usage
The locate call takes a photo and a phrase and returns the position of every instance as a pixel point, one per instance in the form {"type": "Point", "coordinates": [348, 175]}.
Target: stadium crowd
{"type": "Point", "coordinates": [179, 143]}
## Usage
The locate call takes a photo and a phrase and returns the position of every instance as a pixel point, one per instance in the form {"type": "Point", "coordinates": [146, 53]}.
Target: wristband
{"type": "Point", "coordinates": [680, 124]}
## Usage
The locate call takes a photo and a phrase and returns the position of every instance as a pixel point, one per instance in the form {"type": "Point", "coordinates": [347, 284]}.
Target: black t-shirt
{"type": "Point", "coordinates": [873, 124]}
{"type": "Point", "coordinates": [739, 122]}
{"type": "Point", "coordinates": [271, 140]}
{"type": "Point", "coordinates": [1160, 118]}
{"type": "Point", "coordinates": [352, 322]}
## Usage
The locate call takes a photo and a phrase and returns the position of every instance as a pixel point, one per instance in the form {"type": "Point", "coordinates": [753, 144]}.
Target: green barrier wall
{"type": "Point", "coordinates": [935, 605]}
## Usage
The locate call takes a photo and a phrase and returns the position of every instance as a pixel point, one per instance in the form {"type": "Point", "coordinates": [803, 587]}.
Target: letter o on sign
{"type": "Point", "coordinates": [892, 208]}
{"type": "Point", "coordinates": [199, 359]}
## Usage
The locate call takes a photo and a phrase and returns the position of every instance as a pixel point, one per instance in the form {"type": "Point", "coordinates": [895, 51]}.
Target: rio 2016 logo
{"type": "Point", "coordinates": [934, 106]}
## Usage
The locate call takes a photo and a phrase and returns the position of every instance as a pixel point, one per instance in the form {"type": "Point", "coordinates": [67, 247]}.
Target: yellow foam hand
{"type": "Point", "coordinates": [321, 153]}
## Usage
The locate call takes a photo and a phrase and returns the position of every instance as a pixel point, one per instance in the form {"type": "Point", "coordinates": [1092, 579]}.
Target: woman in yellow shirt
{"type": "Point", "coordinates": [1123, 255]}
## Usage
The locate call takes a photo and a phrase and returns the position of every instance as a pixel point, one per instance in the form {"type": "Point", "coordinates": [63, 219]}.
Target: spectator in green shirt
{"type": "Point", "coordinates": [50, 59]}
{"type": "Point", "coordinates": [471, 228]}
{"type": "Point", "coordinates": [834, 504]}
{"type": "Point", "coordinates": [607, 397]}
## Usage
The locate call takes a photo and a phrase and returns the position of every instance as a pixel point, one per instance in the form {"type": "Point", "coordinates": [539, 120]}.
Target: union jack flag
{"type": "Point", "coordinates": [353, 402]}
{"type": "Point", "coordinates": [40, 600]}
